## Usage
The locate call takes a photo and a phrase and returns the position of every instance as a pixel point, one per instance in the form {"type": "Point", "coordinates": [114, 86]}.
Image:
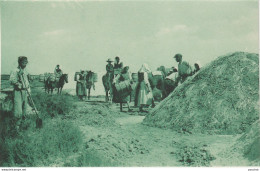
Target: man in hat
{"type": "Point", "coordinates": [57, 72]}
{"type": "Point", "coordinates": [184, 68]}
{"type": "Point", "coordinates": [110, 74]}
{"type": "Point", "coordinates": [118, 66]}
{"type": "Point", "coordinates": [19, 78]}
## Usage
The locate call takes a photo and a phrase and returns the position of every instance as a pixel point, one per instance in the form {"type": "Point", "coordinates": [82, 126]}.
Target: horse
{"type": "Point", "coordinates": [63, 79]}
{"type": "Point", "coordinates": [90, 82]}
{"type": "Point", "coordinates": [107, 83]}
{"type": "Point", "coordinates": [51, 84]}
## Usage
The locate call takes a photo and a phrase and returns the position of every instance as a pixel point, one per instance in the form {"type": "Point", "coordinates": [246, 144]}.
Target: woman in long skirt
{"type": "Point", "coordinates": [143, 90]}
{"type": "Point", "coordinates": [123, 97]}
{"type": "Point", "coordinates": [81, 85]}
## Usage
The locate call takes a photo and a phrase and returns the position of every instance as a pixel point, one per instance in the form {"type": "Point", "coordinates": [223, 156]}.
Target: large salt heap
{"type": "Point", "coordinates": [221, 98]}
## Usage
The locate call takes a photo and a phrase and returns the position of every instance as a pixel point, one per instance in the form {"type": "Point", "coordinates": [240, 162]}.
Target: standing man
{"type": "Point", "coordinates": [19, 78]}
{"type": "Point", "coordinates": [184, 68]}
{"type": "Point", "coordinates": [110, 75]}
{"type": "Point", "coordinates": [118, 66]}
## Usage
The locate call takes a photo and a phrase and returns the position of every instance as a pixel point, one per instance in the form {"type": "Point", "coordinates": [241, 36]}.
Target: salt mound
{"type": "Point", "coordinates": [249, 143]}
{"type": "Point", "coordinates": [245, 151]}
{"type": "Point", "coordinates": [221, 98]}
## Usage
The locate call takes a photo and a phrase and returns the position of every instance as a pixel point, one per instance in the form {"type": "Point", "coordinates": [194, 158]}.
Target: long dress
{"type": "Point", "coordinates": [122, 97]}
{"type": "Point", "coordinates": [81, 85]}
{"type": "Point", "coordinates": [143, 90]}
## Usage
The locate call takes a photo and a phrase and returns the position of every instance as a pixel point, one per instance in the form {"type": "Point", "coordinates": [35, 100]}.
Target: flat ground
{"type": "Point", "coordinates": [121, 139]}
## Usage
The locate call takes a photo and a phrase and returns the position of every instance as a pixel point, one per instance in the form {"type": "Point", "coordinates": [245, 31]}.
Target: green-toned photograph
{"type": "Point", "coordinates": [109, 83]}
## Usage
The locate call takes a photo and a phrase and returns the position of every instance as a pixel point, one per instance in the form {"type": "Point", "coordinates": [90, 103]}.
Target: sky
{"type": "Point", "coordinates": [84, 34]}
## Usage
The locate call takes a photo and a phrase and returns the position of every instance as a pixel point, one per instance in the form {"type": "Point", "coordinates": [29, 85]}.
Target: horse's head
{"type": "Point", "coordinates": [65, 77]}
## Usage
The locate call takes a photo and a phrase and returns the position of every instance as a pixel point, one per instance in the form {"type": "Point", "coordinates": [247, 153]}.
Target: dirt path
{"type": "Point", "coordinates": [120, 139]}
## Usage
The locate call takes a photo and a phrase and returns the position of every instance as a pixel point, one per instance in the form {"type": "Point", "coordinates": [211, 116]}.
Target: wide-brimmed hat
{"type": "Point", "coordinates": [177, 55]}
{"type": "Point", "coordinates": [109, 60]}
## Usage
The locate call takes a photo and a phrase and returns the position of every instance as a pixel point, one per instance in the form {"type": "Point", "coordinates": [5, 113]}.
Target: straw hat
{"type": "Point", "coordinates": [109, 60]}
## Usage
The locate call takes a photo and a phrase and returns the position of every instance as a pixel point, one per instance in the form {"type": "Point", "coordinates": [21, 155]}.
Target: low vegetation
{"type": "Point", "coordinates": [28, 146]}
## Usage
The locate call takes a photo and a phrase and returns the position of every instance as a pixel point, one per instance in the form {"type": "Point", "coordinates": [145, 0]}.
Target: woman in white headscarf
{"type": "Point", "coordinates": [143, 90]}
{"type": "Point", "coordinates": [81, 89]}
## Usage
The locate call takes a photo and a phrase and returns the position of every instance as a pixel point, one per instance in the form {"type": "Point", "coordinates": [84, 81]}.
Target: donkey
{"type": "Point", "coordinates": [50, 85]}
{"type": "Point", "coordinates": [89, 82]}
{"type": "Point", "coordinates": [107, 82]}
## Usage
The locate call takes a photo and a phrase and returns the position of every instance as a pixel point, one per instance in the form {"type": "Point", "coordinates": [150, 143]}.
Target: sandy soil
{"type": "Point", "coordinates": [120, 139]}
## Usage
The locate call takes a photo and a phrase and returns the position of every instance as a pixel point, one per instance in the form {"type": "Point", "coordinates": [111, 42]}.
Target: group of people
{"type": "Point", "coordinates": [144, 96]}
{"type": "Point", "coordinates": [84, 83]}
{"type": "Point", "coordinates": [116, 73]}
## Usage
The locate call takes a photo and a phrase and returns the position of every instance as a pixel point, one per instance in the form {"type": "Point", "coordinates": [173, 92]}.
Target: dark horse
{"type": "Point", "coordinates": [107, 82]}
{"type": "Point", "coordinates": [90, 82]}
{"type": "Point", "coordinates": [50, 85]}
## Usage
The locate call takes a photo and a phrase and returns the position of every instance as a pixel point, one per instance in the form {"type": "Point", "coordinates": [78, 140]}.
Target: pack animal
{"type": "Point", "coordinates": [107, 81]}
{"type": "Point", "coordinates": [51, 84]}
{"type": "Point", "coordinates": [90, 82]}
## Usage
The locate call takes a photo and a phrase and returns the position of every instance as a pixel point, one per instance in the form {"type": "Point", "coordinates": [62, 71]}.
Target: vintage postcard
{"type": "Point", "coordinates": [129, 83]}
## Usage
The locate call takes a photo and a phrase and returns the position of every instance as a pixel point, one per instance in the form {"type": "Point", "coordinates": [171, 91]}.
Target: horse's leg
{"type": "Point", "coordinates": [89, 93]}
{"type": "Point", "coordinates": [164, 93]}
{"type": "Point", "coordinates": [106, 96]}
{"type": "Point", "coordinates": [111, 98]}
{"type": "Point", "coordinates": [153, 103]}
{"type": "Point", "coordinates": [128, 105]}
{"type": "Point", "coordinates": [110, 92]}
{"type": "Point", "coordinates": [121, 107]}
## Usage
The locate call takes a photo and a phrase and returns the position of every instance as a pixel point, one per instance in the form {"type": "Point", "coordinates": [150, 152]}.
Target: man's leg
{"type": "Point", "coordinates": [121, 107]}
{"type": "Point", "coordinates": [17, 104]}
{"type": "Point", "coordinates": [18, 109]}
{"type": "Point", "coordinates": [25, 102]}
